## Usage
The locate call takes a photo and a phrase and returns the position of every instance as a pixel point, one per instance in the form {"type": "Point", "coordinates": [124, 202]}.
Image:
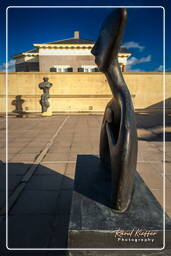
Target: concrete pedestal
{"type": "Point", "coordinates": [93, 224]}
{"type": "Point", "coordinates": [48, 113]}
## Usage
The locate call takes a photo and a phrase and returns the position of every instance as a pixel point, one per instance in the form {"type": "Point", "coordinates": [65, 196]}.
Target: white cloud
{"type": "Point", "coordinates": [134, 61]}
{"type": "Point", "coordinates": [158, 69]}
{"type": "Point", "coordinates": [133, 44]}
{"type": "Point", "coordinates": [10, 64]}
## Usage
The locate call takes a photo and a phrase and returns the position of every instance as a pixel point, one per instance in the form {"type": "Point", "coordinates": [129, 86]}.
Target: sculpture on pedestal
{"type": "Point", "coordinates": [118, 139]}
{"type": "Point", "coordinates": [45, 86]}
{"type": "Point", "coordinates": [18, 102]}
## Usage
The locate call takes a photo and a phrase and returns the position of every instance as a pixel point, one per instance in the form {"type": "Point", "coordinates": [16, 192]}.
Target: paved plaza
{"type": "Point", "coordinates": [42, 154]}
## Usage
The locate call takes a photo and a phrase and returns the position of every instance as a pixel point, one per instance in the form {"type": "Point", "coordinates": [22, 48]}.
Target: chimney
{"type": "Point", "coordinates": [76, 34]}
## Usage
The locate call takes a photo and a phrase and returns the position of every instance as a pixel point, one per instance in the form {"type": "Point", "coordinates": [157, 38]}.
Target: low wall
{"type": "Point", "coordinates": [81, 91]}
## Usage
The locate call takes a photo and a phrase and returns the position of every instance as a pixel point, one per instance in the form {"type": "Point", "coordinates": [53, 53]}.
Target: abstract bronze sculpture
{"type": "Point", "coordinates": [45, 86]}
{"type": "Point", "coordinates": [118, 139]}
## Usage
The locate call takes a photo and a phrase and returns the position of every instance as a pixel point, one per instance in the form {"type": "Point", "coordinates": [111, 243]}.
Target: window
{"type": "Point", "coordinates": [52, 69]}
{"type": "Point", "coordinates": [61, 68]}
{"type": "Point", "coordinates": [90, 68]}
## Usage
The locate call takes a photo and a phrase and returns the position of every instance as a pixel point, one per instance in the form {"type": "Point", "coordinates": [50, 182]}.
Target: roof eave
{"type": "Point", "coordinates": [24, 54]}
{"type": "Point", "coordinates": [124, 54]}
{"type": "Point", "coordinates": [61, 45]}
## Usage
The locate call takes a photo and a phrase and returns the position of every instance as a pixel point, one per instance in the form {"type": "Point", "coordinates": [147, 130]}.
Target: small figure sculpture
{"type": "Point", "coordinates": [118, 139]}
{"type": "Point", "coordinates": [18, 102]}
{"type": "Point", "coordinates": [45, 86]}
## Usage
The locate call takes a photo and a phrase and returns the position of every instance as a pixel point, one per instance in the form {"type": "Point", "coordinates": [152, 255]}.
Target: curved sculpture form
{"type": "Point", "coordinates": [118, 139]}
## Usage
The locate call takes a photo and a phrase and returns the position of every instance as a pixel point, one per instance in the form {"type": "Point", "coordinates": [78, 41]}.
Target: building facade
{"type": "Point", "coordinates": [69, 55]}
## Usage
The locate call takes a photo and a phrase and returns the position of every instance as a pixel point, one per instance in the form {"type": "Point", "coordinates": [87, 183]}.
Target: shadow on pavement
{"type": "Point", "coordinates": [39, 217]}
{"type": "Point", "coordinates": [151, 120]}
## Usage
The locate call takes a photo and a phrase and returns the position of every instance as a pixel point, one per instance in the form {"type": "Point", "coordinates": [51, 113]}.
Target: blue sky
{"type": "Point", "coordinates": [143, 35]}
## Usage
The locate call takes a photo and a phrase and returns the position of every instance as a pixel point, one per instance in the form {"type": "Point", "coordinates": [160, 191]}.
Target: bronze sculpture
{"type": "Point", "coordinates": [118, 139]}
{"type": "Point", "coordinates": [45, 86]}
{"type": "Point", "coordinates": [18, 102]}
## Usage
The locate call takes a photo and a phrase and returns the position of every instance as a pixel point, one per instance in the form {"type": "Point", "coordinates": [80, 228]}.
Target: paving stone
{"type": "Point", "coordinates": [23, 157]}
{"type": "Point", "coordinates": [60, 234]}
{"type": "Point", "coordinates": [158, 167]}
{"type": "Point", "coordinates": [151, 176]}
{"type": "Point", "coordinates": [147, 167]}
{"type": "Point", "coordinates": [45, 182]}
{"type": "Point", "coordinates": [169, 213]}
{"type": "Point", "coordinates": [140, 156]}
{"type": "Point", "coordinates": [28, 150]}
{"type": "Point", "coordinates": [168, 199]}
{"type": "Point", "coordinates": [70, 170]}
{"type": "Point", "coordinates": [152, 183]}
{"type": "Point", "coordinates": [152, 156]}
{"type": "Point", "coordinates": [168, 177]}
{"type": "Point", "coordinates": [10, 157]}
{"type": "Point", "coordinates": [3, 236]}
{"type": "Point", "coordinates": [168, 157]}
{"type": "Point", "coordinates": [2, 198]}
{"type": "Point", "coordinates": [150, 147]}
{"type": "Point", "coordinates": [2, 168]}
{"type": "Point", "coordinates": [64, 202]}
{"type": "Point", "coordinates": [37, 144]}
{"type": "Point", "coordinates": [59, 150]}
{"type": "Point", "coordinates": [73, 156]}
{"type": "Point", "coordinates": [17, 168]}
{"type": "Point", "coordinates": [2, 145]}
{"type": "Point", "coordinates": [67, 183]}
{"type": "Point", "coordinates": [56, 149]}
{"type": "Point", "coordinates": [18, 144]}
{"type": "Point", "coordinates": [50, 168]}
{"type": "Point", "coordinates": [29, 231]}
{"type": "Point", "coordinates": [167, 182]}
{"type": "Point", "coordinates": [81, 150]}
{"type": "Point", "coordinates": [168, 146]}
{"type": "Point", "coordinates": [36, 202]}
{"type": "Point", "coordinates": [13, 181]}
{"type": "Point", "coordinates": [168, 168]}
{"type": "Point", "coordinates": [158, 193]}
{"type": "Point", "coordinates": [14, 149]}
{"type": "Point", "coordinates": [56, 157]}
{"type": "Point", "coordinates": [143, 144]}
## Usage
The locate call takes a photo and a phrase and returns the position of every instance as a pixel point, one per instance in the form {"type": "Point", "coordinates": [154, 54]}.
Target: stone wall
{"type": "Point", "coordinates": [81, 91]}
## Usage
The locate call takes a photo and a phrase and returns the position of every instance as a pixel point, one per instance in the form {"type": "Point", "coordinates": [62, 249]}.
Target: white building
{"type": "Point", "coordinates": [69, 55]}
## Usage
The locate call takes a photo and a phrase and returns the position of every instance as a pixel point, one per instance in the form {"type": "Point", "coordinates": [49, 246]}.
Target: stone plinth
{"type": "Point", "coordinates": [48, 113]}
{"type": "Point", "coordinates": [93, 224]}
